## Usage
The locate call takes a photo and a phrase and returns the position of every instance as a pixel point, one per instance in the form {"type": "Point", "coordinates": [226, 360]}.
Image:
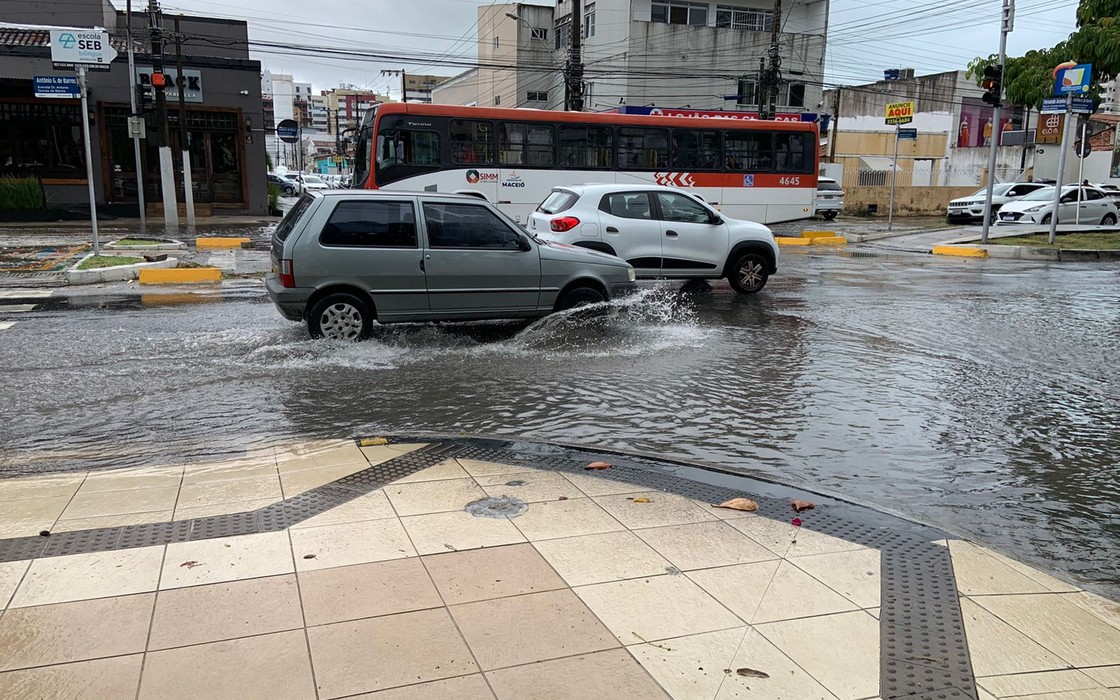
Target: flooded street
{"type": "Point", "coordinates": [980, 397]}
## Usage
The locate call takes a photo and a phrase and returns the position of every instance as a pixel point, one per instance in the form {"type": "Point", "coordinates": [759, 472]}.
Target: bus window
{"type": "Point", "coordinates": [407, 148]}
{"type": "Point", "coordinates": [694, 149]}
{"type": "Point", "coordinates": [750, 151]}
{"type": "Point", "coordinates": [790, 152]}
{"type": "Point", "coordinates": [362, 157]}
{"type": "Point", "coordinates": [586, 146]}
{"type": "Point", "coordinates": [525, 144]}
{"type": "Point", "coordinates": [472, 142]}
{"type": "Point", "coordinates": [643, 149]}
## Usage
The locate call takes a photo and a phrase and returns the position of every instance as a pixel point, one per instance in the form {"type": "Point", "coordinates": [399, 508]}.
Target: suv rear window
{"type": "Point", "coordinates": [557, 202]}
{"type": "Point", "coordinates": [830, 186]}
{"type": "Point", "coordinates": [370, 224]}
{"type": "Point", "coordinates": [289, 221]}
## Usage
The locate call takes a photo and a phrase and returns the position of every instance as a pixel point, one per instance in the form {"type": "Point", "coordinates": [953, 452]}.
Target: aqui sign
{"type": "Point", "coordinates": [900, 113]}
{"type": "Point", "coordinates": [89, 47]}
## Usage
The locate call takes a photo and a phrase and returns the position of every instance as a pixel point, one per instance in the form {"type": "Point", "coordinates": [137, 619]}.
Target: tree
{"type": "Point", "coordinates": [1027, 79]}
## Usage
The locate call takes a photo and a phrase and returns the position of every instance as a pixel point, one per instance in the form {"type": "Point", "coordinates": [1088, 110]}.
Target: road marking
{"type": "Point", "coordinates": [16, 308]}
{"type": "Point", "coordinates": [25, 293]}
{"type": "Point", "coordinates": [5, 325]}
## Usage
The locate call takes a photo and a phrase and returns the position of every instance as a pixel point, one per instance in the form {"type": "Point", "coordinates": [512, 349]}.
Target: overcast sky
{"type": "Point", "coordinates": [866, 36]}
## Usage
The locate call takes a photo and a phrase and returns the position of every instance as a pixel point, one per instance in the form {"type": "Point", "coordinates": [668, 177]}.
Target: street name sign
{"type": "Point", "coordinates": [900, 113]}
{"type": "Point", "coordinates": [911, 134]}
{"type": "Point", "coordinates": [1053, 105]}
{"type": "Point", "coordinates": [1082, 105]}
{"type": "Point", "coordinates": [287, 130]}
{"type": "Point", "coordinates": [57, 86]}
{"type": "Point", "coordinates": [74, 47]}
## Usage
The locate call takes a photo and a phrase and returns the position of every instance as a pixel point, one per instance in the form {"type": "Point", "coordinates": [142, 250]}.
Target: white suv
{"type": "Point", "coordinates": [662, 231]}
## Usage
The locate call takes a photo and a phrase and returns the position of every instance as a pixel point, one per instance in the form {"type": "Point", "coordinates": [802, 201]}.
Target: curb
{"type": "Point", "coordinates": [818, 234]}
{"type": "Point", "coordinates": [168, 244]}
{"type": "Point", "coordinates": [186, 275]}
{"type": "Point", "coordinates": [230, 243]}
{"type": "Point", "coordinates": [829, 240]}
{"type": "Point", "coordinates": [120, 273]}
{"type": "Point", "coordinates": [960, 251]}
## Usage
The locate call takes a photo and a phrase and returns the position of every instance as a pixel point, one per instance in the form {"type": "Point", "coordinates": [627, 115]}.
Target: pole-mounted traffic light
{"type": "Point", "coordinates": [992, 82]}
{"type": "Point", "coordinates": [145, 98]}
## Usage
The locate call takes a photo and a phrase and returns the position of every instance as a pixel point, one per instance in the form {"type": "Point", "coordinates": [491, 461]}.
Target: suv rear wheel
{"type": "Point", "coordinates": [748, 274]}
{"type": "Point", "coordinates": [340, 316]}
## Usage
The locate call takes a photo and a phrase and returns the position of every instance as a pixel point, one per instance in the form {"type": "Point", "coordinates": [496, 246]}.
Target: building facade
{"type": "Point", "coordinates": [224, 118]}
{"type": "Point", "coordinates": [666, 53]}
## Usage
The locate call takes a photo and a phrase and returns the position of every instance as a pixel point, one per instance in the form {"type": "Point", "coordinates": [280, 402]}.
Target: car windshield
{"type": "Point", "coordinates": [313, 179]}
{"type": "Point", "coordinates": [1046, 194]}
{"type": "Point", "coordinates": [998, 191]}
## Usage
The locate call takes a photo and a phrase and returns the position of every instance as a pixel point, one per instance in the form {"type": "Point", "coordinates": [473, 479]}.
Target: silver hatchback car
{"type": "Point", "coordinates": [344, 259]}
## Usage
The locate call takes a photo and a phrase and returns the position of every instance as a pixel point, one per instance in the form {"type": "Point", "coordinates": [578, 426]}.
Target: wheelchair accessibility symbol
{"type": "Point", "coordinates": [748, 181]}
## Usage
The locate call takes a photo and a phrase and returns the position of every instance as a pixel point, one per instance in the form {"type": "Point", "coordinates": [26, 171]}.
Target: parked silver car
{"type": "Point", "coordinates": [343, 259]}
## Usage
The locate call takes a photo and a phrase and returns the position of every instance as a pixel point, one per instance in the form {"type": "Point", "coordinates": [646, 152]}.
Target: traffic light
{"type": "Point", "coordinates": [992, 84]}
{"type": "Point", "coordinates": [145, 98]}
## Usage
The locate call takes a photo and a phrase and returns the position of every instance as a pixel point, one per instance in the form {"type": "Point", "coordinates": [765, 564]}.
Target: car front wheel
{"type": "Point", "coordinates": [748, 274]}
{"type": "Point", "coordinates": [580, 296]}
{"type": "Point", "coordinates": [340, 317]}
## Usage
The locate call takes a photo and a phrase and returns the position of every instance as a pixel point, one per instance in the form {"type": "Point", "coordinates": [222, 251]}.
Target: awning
{"type": "Point", "coordinates": [874, 163]}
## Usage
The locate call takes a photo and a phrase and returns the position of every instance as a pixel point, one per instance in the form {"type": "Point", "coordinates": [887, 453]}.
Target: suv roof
{"type": "Point", "coordinates": [391, 194]}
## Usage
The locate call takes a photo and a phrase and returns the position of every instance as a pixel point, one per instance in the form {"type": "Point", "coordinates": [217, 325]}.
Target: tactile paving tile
{"type": "Point", "coordinates": [924, 655]}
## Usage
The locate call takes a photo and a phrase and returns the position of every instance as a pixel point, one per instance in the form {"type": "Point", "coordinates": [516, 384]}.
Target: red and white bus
{"type": "Point", "coordinates": [764, 171]}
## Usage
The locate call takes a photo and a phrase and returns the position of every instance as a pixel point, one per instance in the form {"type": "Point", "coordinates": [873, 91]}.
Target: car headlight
{"type": "Point", "coordinates": [631, 274]}
{"type": "Point", "coordinates": [1032, 210]}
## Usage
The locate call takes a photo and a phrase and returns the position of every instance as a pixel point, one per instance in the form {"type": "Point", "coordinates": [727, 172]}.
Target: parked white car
{"type": "Point", "coordinates": [830, 198]}
{"type": "Point", "coordinates": [313, 182]}
{"type": "Point", "coordinates": [971, 208]}
{"type": "Point", "coordinates": [1089, 205]}
{"type": "Point", "coordinates": [662, 231]}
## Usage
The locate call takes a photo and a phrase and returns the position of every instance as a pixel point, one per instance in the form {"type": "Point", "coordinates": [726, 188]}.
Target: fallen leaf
{"type": "Point", "coordinates": [189, 564]}
{"type": "Point", "coordinates": [751, 673]}
{"type": "Point", "coordinates": [796, 522]}
{"type": "Point", "coordinates": [562, 498]}
{"type": "Point", "coordinates": [372, 442]}
{"type": "Point", "coordinates": [642, 499]}
{"type": "Point", "coordinates": [738, 504]}
{"type": "Point", "coordinates": [597, 465]}
{"type": "Point", "coordinates": [44, 533]}
{"type": "Point", "coordinates": [308, 556]}
{"type": "Point", "coordinates": [799, 506]}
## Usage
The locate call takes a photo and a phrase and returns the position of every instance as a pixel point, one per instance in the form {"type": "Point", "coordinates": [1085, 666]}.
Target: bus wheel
{"type": "Point", "coordinates": [748, 275]}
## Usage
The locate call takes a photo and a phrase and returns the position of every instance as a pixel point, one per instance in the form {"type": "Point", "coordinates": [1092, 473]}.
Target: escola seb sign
{"type": "Point", "coordinates": [74, 47]}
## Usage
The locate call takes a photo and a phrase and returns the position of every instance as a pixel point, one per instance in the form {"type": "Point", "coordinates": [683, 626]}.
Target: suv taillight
{"type": "Point", "coordinates": [287, 274]}
{"type": "Point", "coordinates": [564, 223]}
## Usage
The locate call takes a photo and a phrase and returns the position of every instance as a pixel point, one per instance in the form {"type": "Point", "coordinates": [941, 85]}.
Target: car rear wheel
{"type": "Point", "coordinates": [580, 296]}
{"type": "Point", "coordinates": [829, 215]}
{"type": "Point", "coordinates": [1108, 220]}
{"type": "Point", "coordinates": [748, 274]}
{"type": "Point", "coordinates": [340, 317]}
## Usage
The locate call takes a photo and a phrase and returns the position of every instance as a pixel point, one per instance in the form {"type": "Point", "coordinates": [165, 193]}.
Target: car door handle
{"type": "Point", "coordinates": [612, 229]}
{"type": "Point", "coordinates": [671, 234]}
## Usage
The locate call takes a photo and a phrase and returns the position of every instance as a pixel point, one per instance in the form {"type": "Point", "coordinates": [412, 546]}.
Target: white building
{"type": "Point", "coordinates": [668, 53]}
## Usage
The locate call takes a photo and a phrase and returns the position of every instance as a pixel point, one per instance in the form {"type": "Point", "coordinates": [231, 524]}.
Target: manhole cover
{"type": "Point", "coordinates": [497, 507]}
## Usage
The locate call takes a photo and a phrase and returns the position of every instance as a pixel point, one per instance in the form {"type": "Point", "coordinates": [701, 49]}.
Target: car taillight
{"type": "Point", "coordinates": [287, 274]}
{"type": "Point", "coordinates": [564, 223]}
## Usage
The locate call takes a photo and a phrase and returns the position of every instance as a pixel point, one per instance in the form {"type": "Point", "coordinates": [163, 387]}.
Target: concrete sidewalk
{"type": "Point", "coordinates": [485, 569]}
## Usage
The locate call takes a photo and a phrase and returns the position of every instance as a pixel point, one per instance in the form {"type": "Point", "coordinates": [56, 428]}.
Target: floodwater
{"type": "Point", "coordinates": [982, 397]}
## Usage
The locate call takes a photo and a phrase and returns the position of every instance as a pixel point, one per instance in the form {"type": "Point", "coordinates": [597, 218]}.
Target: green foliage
{"type": "Point", "coordinates": [21, 193]}
{"type": "Point", "coordinates": [273, 196]}
{"type": "Point", "coordinates": [100, 261]}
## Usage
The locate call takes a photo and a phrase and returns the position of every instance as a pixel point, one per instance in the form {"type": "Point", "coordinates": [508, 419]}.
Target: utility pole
{"type": "Point", "coordinates": [573, 72]}
{"type": "Point", "coordinates": [404, 81]}
{"type": "Point", "coordinates": [772, 74]}
{"type": "Point", "coordinates": [337, 143]}
{"type": "Point", "coordinates": [181, 83]}
{"type": "Point", "coordinates": [166, 164]}
{"type": "Point", "coordinates": [1007, 23]}
{"type": "Point", "coordinates": [134, 124]}
{"type": "Point", "coordinates": [835, 126]}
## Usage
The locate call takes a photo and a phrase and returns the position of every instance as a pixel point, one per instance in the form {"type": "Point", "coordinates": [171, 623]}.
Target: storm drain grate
{"type": "Point", "coordinates": [923, 651]}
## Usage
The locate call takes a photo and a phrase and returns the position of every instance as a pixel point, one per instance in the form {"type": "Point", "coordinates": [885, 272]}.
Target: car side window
{"type": "Point", "coordinates": [1093, 194]}
{"type": "Point", "coordinates": [627, 205]}
{"type": "Point", "coordinates": [370, 224]}
{"type": "Point", "coordinates": [677, 207]}
{"type": "Point", "coordinates": [468, 226]}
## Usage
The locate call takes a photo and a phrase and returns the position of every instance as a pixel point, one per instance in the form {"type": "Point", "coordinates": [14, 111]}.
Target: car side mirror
{"type": "Point", "coordinates": [715, 219]}
{"type": "Point", "coordinates": [523, 244]}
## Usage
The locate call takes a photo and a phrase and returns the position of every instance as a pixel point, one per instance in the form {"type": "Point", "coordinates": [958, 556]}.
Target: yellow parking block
{"type": "Point", "coordinates": [818, 234]}
{"type": "Point", "coordinates": [787, 240]}
{"type": "Point", "coordinates": [220, 242]}
{"type": "Point", "coordinates": [830, 240]}
{"type": "Point", "coordinates": [186, 275]}
{"type": "Point", "coordinates": [960, 251]}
